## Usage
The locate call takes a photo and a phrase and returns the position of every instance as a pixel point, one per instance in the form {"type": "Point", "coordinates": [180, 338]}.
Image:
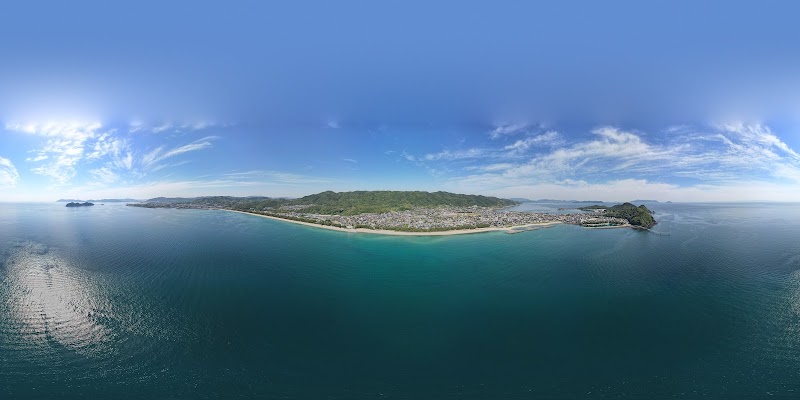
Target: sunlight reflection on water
{"type": "Point", "coordinates": [53, 305]}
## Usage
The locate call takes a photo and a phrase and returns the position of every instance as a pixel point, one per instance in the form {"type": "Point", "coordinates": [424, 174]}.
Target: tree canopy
{"type": "Point", "coordinates": [360, 202]}
{"type": "Point", "coordinates": [638, 216]}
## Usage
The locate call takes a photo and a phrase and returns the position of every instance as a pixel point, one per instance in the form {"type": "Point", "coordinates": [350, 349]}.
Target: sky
{"type": "Point", "coordinates": [613, 101]}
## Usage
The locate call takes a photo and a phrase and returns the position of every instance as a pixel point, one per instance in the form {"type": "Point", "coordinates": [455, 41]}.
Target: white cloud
{"type": "Point", "coordinates": [9, 176]}
{"type": "Point", "coordinates": [40, 157]}
{"type": "Point", "coordinates": [163, 127]}
{"type": "Point", "coordinates": [198, 125]}
{"type": "Point", "coordinates": [760, 135]}
{"type": "Point", "coordinates": [722, 159]}
{"type": "Point", "coordinates": [490, 167]}
{"type": "Point", "coordinates": [738, 149]}
{"type": "Point", "coordinates": [64, 148]}
{"type": "Point", "coordinates": [69, 145]}
{"type": "Point", "coordinates": [169, 126]}
{"type": "Point", "coordinates": [199, 144]}
{"type": "Point", "coordinates": [350, 160]}
{"type": "Point", "coordinates": [630, 189]}
{"type": "Point", "coordinates": [502, 130]}
{"type": "Point", "coordinates": [135, 126]}
{"type": "Point", "coordinates": [454, 155]}
{"type": "Point", "coordinates": [124, 161]}
{"type": "Point", "coordinates": [70, 129]}
{"type": "Point", "coordinates": [159, 154]}
{"type": "Point", "coordinates": [618, 144]}
{"type": "Point", "coordinates": [549, 137]}
{"type": "Point", "coordinates": [511, 152]}
{"type": "Point", "coordinates": [613, 150]}
{"type": "Point", "coordinates": [159, 167]}
{"type": "Point", "coordinates": [104, 175]}
{"type": "Point", "coordinates": [266, 177]}
{"type": "Point", "coordinates": [572, 182]}
{"type": "Point", "coordinates": [105, 145]}
{"type": "Point", "coordinates": [790, 172]}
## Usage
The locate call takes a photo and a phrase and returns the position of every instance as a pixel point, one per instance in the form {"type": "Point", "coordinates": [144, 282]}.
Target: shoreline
{"type": "Point", "coordinates": [509, 229]}
{"type": "Point", "coordinates": [611, 227]}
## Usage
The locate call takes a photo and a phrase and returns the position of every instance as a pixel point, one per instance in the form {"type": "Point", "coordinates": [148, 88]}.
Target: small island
{"type": "Point", "coordinates": [86, 204]}
{"type": "Point", "coordinates": [409, 213]}
{"type": "Point", "coordinates": [96, 201]}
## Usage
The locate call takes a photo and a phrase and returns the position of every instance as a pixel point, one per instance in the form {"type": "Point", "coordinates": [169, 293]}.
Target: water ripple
{"type": "Point", "coordinates": [53, 306]}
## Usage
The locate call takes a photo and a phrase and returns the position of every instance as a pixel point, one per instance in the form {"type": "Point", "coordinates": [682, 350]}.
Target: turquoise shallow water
{"type": "Point", "coordinates": [122, 302]}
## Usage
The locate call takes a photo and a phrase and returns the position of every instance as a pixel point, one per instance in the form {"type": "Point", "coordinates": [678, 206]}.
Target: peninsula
{"type": "Point", "coordinates": [397, 212]}
{"type": "Point", "coordinates": [637, 216]}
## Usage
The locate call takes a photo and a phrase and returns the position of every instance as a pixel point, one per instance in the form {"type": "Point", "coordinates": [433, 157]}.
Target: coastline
{"type": "Point", "coordinates": [611, 227]}
{"type": "Point", "coordinates": [509, 229]}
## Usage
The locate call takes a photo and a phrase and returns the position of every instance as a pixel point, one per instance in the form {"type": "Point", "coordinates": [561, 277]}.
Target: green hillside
{"type": "Point", "coordinates": [638, 216]}
{"type": "Point", "coordinates": [359, 202]}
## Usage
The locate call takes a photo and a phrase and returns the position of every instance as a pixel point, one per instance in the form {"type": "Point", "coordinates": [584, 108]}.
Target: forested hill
{"type": "Point", "coordinates": [351, 203]}
{"type": "Point", "coordinates": [360, 202]}
{"type": "Point", "coordinates": [637, 216]}
{"type": "Point", "coordinates": [342, 203]}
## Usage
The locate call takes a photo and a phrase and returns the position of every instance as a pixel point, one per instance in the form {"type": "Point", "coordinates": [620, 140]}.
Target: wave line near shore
{"type": "Point", "coordinates": [509, 229]}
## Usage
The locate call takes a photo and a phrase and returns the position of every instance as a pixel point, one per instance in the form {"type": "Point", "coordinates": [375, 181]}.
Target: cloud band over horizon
{"type": "Point", "coordinates": [713, 162]}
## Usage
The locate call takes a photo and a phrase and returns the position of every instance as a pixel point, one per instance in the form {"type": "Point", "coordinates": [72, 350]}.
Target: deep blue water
{"type": "Point", "coordinates": [121, 302]}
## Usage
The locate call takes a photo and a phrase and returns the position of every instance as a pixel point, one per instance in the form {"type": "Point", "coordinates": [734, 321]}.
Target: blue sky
{"type": "Point", "coordinates": [682, 101]}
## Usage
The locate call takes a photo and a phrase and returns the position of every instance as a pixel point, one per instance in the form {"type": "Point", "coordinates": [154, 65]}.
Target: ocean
{"type": "Point", "coordinates": [121, 302]}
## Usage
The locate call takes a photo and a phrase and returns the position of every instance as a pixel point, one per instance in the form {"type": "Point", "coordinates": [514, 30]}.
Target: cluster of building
{"type": "Point", "coordinates": [446, 218]}
{"type": "Point", "coordinates": [182, 205]}
{"type": "Point", "coordinates": [418, 219]}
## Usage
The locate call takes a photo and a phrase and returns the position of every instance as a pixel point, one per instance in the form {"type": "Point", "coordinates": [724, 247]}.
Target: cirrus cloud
{"type": "Point", "coordinates": [9, 176]}
{"type": "Point", "coordinates": [64, 147]}
{"type": "Point", "coordinates": [159, 154]}
{"type": "Point", "coordinates": [709, 160]}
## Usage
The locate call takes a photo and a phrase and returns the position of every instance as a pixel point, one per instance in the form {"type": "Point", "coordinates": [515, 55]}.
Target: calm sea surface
{"type": "Point", "coordinates": [121, 302]}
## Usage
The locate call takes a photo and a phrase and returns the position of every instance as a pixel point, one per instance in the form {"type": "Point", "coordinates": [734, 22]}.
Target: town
{"type": "Point", "coordinates": [419, 219]}
{"type": "Point", "coordinates": [447, 218]}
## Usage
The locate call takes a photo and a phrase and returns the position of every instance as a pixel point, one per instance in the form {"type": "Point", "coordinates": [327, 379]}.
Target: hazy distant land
{"type": "Point", "coordinates": [409, 212]}
{"type": "Point", "coordinates": [96, 201]}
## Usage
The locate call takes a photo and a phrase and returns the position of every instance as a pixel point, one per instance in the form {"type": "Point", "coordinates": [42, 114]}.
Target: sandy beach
{"type": "Point", "coordinates": [510, 229]}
